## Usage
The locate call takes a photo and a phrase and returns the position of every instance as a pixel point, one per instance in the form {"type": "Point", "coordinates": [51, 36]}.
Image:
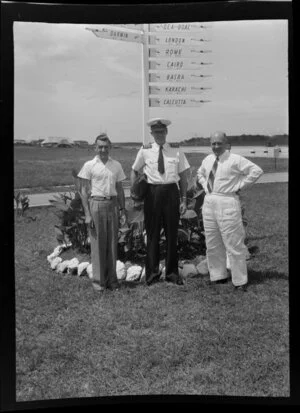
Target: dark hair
{"type": "Point", "coordinates": [103, 137]}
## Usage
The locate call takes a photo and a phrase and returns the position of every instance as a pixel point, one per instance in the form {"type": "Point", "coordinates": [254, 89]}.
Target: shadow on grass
{"type": "Point", "coordinates": [258, 277]}
{"type": "Point", "coordinates": [130, 284]}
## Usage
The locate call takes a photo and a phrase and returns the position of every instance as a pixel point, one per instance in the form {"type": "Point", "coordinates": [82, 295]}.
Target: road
{"type": "Point", "coordinates": [38, 200]}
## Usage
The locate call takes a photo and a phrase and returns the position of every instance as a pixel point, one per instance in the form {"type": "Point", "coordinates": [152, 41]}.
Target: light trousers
{"type": "Point", "coordinates": [225, 233]}
{"type": "Point", "coordinates": [104, 241]}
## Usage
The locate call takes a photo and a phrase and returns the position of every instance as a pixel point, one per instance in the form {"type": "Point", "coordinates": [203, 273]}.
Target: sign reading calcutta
{"type": "Point", "coordinates": [179, 102]}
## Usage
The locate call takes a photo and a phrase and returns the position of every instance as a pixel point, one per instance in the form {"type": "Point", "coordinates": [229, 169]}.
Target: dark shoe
{"type": "Point", "coordinates": [242, 288]}
{"type": "Point", "coordinates": [175, 279]}
{"type": "Point", "coordinates": [154, 278]}
{"type": "Point", "coordinates": [114, 287]}
{"type": "Point", "coordinates": [223, 281]}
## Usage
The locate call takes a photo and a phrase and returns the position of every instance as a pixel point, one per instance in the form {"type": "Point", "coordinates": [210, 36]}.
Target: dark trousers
{"type": "Point", "coordinates": [161, 210]}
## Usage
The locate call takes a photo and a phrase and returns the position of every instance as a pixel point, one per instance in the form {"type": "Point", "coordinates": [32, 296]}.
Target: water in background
{"type": "Point", "coordinates": [248, 151]}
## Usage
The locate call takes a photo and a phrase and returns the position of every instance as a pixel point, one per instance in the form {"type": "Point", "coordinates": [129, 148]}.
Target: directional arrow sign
{"type": "Point", "coordinates": [183, 64]}
{"type": "Point", "coordinates": [178, 27]}
{"type": "Point", "coordinates": [178, 102]}
{"type": "Point", "coordinates": [175, 52]}
{"type": "Point", "coordinates": [117, 34]}
{"type": "Point", "coordinates": [178, 77]}
{"type": "Point", "coordinates": [177, 89]}
{"type": "Point", "coordinates": [175, 40]}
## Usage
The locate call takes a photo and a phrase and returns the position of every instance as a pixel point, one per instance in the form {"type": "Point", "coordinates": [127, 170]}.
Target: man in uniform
{"type": "Point", "coordinates": [103, 201]}
{"type": "Point", "coordinates": [223, 175]}
{"type": "Point", "coordinates": [165, 167]}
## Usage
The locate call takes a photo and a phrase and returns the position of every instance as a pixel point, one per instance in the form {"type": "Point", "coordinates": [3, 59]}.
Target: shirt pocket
{"type": "Point", "coordinates": [171, 167]}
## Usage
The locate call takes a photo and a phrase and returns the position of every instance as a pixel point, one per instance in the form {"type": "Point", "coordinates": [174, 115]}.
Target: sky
{"type": "Point", "coordinates": [70, 83]}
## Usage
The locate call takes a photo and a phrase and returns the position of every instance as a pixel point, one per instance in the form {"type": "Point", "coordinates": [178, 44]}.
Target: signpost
{"type": "Point", "coordinates": [173, 62]}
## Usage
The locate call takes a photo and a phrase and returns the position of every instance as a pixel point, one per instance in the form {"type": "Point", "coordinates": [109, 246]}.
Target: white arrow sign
{"type": "Point", "coordinates": [117, 34]}
{"type": "Point", "coordinates": [178, 27]}
{"type": "Point", "coordinates": [177, 89]}
{"type": "Point", "coordinates": [178, 102]}
{"type": "Point", "coordinates": [175, 52]}
{"type": "Point", "coordinates": [157, 39]}
{"type": "Point", "coordinates": [180, 77]}
{"type": "Point", "coordinates": [176, 64]}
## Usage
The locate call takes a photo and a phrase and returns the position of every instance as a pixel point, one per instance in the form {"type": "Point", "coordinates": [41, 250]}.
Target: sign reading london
{"type": "Point", "coordinates": [167, 39]}
{"type": "Point", "coordinates": [117, 34]}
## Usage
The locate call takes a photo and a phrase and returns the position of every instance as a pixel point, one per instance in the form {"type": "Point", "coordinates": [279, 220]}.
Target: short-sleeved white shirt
{"type": "Point", "coordinates": [103, 177]}
{"type": "Point", "coordinates": [174, 160]}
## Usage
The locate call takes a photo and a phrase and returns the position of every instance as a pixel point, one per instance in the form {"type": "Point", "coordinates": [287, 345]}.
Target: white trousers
{"type": "Point", "coordinates": [225, 236]}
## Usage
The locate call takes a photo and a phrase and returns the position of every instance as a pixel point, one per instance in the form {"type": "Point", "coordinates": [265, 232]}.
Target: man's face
{"type": "Point", "coordinates": [102, 148]}
{"type": "Point", "coordinates": [159, 135]}
{"type": "Point", "coordinates": [218, 145]}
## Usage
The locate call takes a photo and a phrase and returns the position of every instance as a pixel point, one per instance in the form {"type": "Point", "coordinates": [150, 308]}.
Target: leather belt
{"type": "Point", "coordinates": [102, 198]}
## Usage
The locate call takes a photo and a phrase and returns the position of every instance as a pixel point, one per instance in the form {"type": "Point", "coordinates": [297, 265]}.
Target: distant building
{"type": "Point", "coordinates": [81, 143]}
{"type": "Point", "coordinates": [56, 142]}
{"type": "Point", "coordinates": [20, 142]}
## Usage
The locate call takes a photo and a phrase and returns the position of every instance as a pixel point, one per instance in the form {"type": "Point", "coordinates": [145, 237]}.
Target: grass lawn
{"type": "Point", "coordinates": [42, 168]}
{"type": "Point", "coordinates": [194, 339]}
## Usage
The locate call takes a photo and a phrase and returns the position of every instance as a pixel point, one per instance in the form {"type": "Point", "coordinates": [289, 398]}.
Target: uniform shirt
{"type": "Point", "coordinates": [174, 160]}
{"type": "Point", "coordinates": [103, 177]}
{"type": "Point", "coordinates": [234, 172]}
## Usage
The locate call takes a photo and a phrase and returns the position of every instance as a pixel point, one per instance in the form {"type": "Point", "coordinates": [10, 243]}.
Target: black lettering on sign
{"type": "Point", "coordinates": [176, 65]}
{"type": "Point", "coordinates": [177, 40]}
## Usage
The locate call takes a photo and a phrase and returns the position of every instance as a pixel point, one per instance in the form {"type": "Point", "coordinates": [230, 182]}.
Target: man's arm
{"type": "Point", "coordinates": [201, 176]}
{"type": "Point", "coordinates": [251, 173]}
{"type": "Point", "coordinates": [133, 176]}
{"type": "Point", "coordinates": [85, 186]}
{"type": "Point", "coordinates": [120, 195]}
{"type": "Point", "coordinates": [183, 189]}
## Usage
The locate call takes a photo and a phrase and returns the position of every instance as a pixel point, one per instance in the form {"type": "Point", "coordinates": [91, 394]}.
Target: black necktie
{"type": "Point", "coordinates": [161, 166]}
{"type": "Point", "coordinates": [212, 174]}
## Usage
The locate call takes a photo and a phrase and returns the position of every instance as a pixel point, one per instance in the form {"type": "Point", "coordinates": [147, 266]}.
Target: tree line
{"type": "Point", "coordinates": [236, 140]}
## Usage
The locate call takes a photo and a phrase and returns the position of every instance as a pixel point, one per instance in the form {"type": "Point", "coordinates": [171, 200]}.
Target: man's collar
{"type": "Point", "coordinates": [156, 146]}
{"type": "Point", "coordinates": [224, 155]}
{"type": "Point", "coordinates": [97, 159]}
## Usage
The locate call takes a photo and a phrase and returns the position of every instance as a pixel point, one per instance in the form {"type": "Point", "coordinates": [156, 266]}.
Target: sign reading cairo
{"type": "Point", "coordinates": [180, 27]}
{"type": "Point", "coordinates": [185, 64]}
{"type": "Point", "coordinates": [175, 52]}
{"type": "Point", "coordinates": [177, 89]}
{"type": "Point", "coordinates": [180, 77]}
{"type": "Point", "coordinates": [179, 102]}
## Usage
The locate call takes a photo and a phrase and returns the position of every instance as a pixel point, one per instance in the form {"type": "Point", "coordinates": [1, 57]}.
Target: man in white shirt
{"type": "Point", "coordinates": [103, 200]}
{"type": "Point", "coordinates": [165, 167]}
{"type": "Point", "coordinates": [223, 175]}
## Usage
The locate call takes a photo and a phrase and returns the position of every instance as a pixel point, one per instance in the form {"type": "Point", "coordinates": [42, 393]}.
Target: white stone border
{"type": "Point", "coordinates": [132, 273]}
